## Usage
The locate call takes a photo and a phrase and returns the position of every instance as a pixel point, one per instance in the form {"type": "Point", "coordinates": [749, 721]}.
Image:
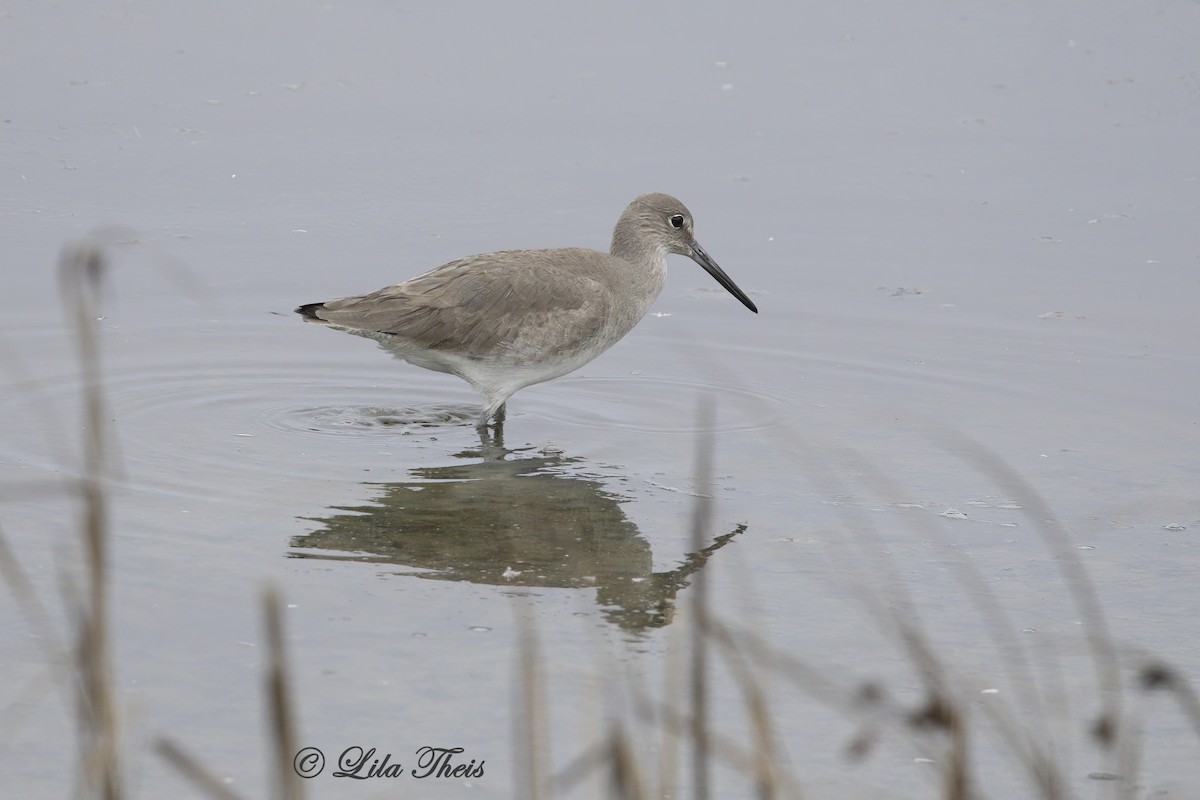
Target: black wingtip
{"type": "Point", "coordinates": [310, 310]}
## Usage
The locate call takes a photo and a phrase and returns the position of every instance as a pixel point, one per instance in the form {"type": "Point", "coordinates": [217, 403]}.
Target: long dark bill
{"type": "Point", "coordinates": [703, 259]}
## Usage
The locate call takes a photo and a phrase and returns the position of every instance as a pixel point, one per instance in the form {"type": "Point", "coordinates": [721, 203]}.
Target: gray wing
{"type": "Point", "coordinates": [510, 300]}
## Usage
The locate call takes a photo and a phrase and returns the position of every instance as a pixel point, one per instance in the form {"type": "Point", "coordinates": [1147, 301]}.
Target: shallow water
{"type": "Point", "coordinates": [960, 225]}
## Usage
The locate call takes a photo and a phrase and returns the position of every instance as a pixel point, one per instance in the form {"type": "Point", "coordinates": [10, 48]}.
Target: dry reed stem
{"type": "Point", "coordinates": [900, 612]}
{"type": "Point", "coordinates": [766, 748]}
{"type": "Point", "coordinates": [723, 748]}
{"type": "Point", "coordinates": [672, 692]}
{"type": "Point", "coordinates": [1106, 728]}
{"type": "Point", "coordinates": [531, 723]}
{"type": "Point", "coordinates": [31, 605]}
{"type": "Point", "coordinates": [624, 780]}
{"type": "Point", "coordinates": [194, 771]}
{"type": "Point", "coordinates": [701, 525]}
{"type": "Point", "coordinates": [288, 785]}
{"type": "Point", "coordinates": [82, 270]}
{"type": "Point", "coordinates": [1160, 676]}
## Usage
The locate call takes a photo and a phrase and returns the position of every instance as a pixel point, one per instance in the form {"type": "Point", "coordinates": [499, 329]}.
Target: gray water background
{"type": "Point", "coordinates": [975, 219]}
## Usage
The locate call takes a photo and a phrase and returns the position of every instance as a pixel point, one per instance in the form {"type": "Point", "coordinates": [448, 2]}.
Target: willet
{"type": "Point", "coordinates": [504, 321]}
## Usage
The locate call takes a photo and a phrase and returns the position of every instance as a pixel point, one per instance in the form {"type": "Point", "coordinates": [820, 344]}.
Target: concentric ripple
{"type": "Point", "coordinates": [213, 425]}
{"type": "Point", "coordinates": [207, 412]}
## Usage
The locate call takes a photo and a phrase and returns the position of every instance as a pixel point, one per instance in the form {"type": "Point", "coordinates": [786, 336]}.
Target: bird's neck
{"type": "Point", "coordinates": [646, 266]}
{"type": "Point", "coordinates": [648, 259]}
{"type": "Point", "coordinates": [647, 263]}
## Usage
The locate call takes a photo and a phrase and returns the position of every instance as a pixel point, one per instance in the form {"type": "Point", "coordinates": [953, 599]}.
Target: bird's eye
{"type": "Point", "coordinates": [676, 220]}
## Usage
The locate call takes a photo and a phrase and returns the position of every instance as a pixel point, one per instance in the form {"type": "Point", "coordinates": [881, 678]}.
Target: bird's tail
{"type": "Point", "coordinates": [309, 312]}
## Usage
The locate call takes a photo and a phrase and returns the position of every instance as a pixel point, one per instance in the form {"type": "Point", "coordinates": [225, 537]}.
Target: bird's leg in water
{"type": "Point", "coordinates": [491, 443]}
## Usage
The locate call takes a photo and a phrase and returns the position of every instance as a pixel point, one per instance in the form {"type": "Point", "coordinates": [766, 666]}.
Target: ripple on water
{"type": "Point", "coordinates": [194, 428]}
{"type": "Point", "coordinates": [193, 419]}
{"type": "Point", "coordinates": [339, 420]}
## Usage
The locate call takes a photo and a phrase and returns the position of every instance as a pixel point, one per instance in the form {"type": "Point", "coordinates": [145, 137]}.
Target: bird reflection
{"type": "Point", "coordinates": [512, 519]}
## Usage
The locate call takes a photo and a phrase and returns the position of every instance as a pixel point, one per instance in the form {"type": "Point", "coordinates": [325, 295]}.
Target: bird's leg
{"type": "Point", "coordinates": [493, 414]}
{"type": "Point", "coordinates": [492, 442]}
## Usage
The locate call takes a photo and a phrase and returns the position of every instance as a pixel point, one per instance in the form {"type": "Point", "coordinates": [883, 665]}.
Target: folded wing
{"type": "Point", "coordinates": [513, 300]}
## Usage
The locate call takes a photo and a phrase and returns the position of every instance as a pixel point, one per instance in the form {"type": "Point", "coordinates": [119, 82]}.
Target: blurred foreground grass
{"type": "Point", "coordinates": [648, 741]}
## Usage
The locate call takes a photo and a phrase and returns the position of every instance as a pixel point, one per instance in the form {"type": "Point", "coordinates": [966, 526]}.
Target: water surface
{"type": "Point", "coordinates": [956, 222]}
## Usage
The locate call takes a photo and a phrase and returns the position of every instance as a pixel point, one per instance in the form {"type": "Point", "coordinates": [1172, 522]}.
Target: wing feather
{"type": "Point", "coordinates": [519, 301]}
